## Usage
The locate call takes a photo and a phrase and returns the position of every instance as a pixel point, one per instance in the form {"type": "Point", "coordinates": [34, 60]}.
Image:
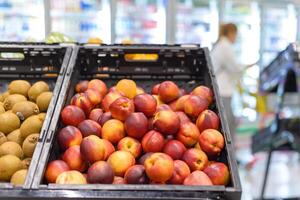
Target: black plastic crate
{"type": "Point", "coordinates": [33, 63]}
{"type": "Point", "coordinates": [188, 66]}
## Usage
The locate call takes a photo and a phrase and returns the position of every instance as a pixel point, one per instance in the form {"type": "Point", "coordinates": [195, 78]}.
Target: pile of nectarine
{"type": "Point", "coordinates": [123, 135]}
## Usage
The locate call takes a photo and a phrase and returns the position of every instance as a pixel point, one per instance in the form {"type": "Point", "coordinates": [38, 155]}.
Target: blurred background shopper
{"type": "Point", "coordinates": [227, 68]}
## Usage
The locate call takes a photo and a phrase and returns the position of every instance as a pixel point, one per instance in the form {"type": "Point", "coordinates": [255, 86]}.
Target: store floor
{"type": "Point", "coordinates": [284, 177]}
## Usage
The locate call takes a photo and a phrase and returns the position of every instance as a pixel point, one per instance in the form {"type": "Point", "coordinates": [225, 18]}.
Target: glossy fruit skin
{"type": "Point", "coordinates": [109, 99]}
{"type": "Point", "coordinates": [72, 115]}
{"type": "Point", "coordinates": [153, 141]}
{"type": "Point", "coordinates": [166, 122]}
{"type": "Point", "coordinates": [155, 89]}
{"type": "Point", "coordinates": [113, 131]}
{"type": "Point", "coordinates": [175, 149]}
{"type": "Point", "coordinates": [218, 173]}
{"type": "Point", "coordinates": [195, 159]}
{"type": "Point", "coordinates": [136, 175]}
{"type": "Point", "coordinates": [180, 102]}
{"type": "Point", "coordinates": [92, 148]}
{"type": "Point", "coordinates": [94, 96]}
{"type": "Point", "coordinates": [188, 134]}
{"type": "Point", "coordinates": [74, 159]}
{"type": "Point", "coordinates": [121, 108]}
{"type": "Point", "coordinates": [98, 85]}
{"type": "Point", "coordinates": [104, 118]}
{"type": "Point", "coordinates": [95, 114]}
{"type": "Point", "coordinates": [82, 86]}
{"type": "Point", "coordinates": [131, 145]}
{"type": "Point", "coordinates": [121, 161]}
{"type": "Point", "coordinates": [194, 105]}
{"type": "Point", "coordinates": [145, 103]}
{"type": "Point", "coordinates": [208, 120]}
{"type": "Point", "coordinates": [204, 92]}
{"type": "Point", "coordinates": [168, 91]}
{"type": "Point", "coordinates": [55, 168]}
{"type": "Point", "coordinates": [136, 125]}
{"type": "Point", "coordinates": [211, 142]}
{"type": "Point", "coordinates": [159, 167]}
{"type": "Point", "coordinates": [181, 171]}
{"type": "Point", "coordinates": [100, 172]}
{"type": "Point", "coordinates": [82, 101]}
{"type": "Point", "coordinates": [197, 178]}
{"type": "Point", "coordinates": [69, 136]}
{"type": "Point", "coordinates": [89, 127]}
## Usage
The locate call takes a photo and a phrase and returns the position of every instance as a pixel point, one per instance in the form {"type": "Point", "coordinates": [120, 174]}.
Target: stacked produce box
{"type": "Point", "coordinates": [138, 121]}
{"type": "Point", "coordinates": [30, 84]}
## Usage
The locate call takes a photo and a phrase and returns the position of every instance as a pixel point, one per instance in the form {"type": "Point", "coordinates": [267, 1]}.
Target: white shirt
{"type": "Point", "coordinates": [226, 67]}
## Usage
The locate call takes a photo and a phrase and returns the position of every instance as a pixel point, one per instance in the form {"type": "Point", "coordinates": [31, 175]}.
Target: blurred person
{"type": "Point", "coordinates": [227, 69]}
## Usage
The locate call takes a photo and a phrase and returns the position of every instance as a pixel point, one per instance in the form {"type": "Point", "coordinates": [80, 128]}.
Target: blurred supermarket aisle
{"type": "Point", "coordinates": [284, 174]}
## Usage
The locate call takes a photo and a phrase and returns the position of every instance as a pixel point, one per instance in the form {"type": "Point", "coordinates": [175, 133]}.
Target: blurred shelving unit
{"type": "Point", "coordinates": [81, 19]}
{"type": "Point", "coordinates": [141, 21]}
{"type": "Point", "coordinates": [280, 28]}
{"type": "Point", "coordinates": [196, 22]}
{"type": "Point", "coordinates": [20, 20]}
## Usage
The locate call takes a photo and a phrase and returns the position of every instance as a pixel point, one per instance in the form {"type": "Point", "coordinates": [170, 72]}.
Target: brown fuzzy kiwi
{"type": "Point", "coordinates": [37, 89]}
{"type": "Point", "coordinates": [9, 122]}
{"type": "Point", "coordinates": [19, 177]}
{"type": "Point", "coordinates": [11, 148]}
{"type": "Point", "coordinates": [11, 100]}
{"type": "Point", "coordinates": [29, 144]}
{"type": "Point", "coordinates": [25, 109]}
{"type": "Point", "coordinates": [26, 163]}
{"type": "Point", "coordinates": [3, 96]}
{"type": "Point", "coordinates": [43, 101]}
{"type": "Point", "coordinates": [42, 116]}
{"type": "Point", "coordinates": [2, 138]}
{"type": "Point", "coordinates": [9, 164]}
{"type": "Point", "coordinates": [2, 110]}
{"type": "Point", "coordinates": [32, 124]}
{"type": "Point", "coordinates": [19, 87]}
{"type": "Point", "coordinates": [15, 136]}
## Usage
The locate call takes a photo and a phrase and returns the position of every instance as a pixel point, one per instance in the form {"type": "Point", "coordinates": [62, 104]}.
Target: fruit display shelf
{"type": "Point", "coordinates": [31, 63]}
{"type": "Point", "coordinates": [147, 65]}
{"type": "Point", "coordinates": [272, 75]}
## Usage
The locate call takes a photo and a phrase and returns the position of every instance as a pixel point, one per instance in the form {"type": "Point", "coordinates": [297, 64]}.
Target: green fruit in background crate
{"type": "Point", "coordinates": [56, 37]}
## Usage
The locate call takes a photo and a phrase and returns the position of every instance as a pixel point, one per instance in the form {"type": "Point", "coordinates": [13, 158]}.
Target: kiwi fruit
{"type": "Point", "coordinates": [29, 144]}
{"type": "Point", "coordinates": [43, 101]}
{"type": "Point", "coordinates": [32, 124]}
{"type": "Point", "coordinates": [25, 109]}
{"type": "Point", "coordinates": [19, 87]}
{"type": "Point", "coordinates": [42, 116]}
{"type": "Point", "coordinates": [15, 136]}
{"type": "Point", "coordinates": [11, 100]}
{"type": "Point", "coordinates": [9, 122]}
{"type": "Point", "coordinates": [26, 163]}
{"type": "Point", "coordinates": [9, 164]}
{"type": "Point", "coordinates": [3, 96]}
{"type": "Point", "coordinates": [37, 89]}
{"type": "Point", "coordinates": [2, 138]}
{"type": "Point", "coordinates": [19, 177]}
{"type": "Point", "coordinates": [11, 148]}
{"type": "Point", "coordinates": [2, 110]}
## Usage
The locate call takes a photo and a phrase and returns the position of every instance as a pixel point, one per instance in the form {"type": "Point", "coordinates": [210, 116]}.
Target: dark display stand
{"type": "Point", "coordinates": [279, 76]}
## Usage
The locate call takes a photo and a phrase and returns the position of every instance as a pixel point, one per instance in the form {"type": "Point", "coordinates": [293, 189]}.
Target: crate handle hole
{"type": "Point", "coordinates": [11, 56]}
{"type": "Point", "coordinates": [138, 57]}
